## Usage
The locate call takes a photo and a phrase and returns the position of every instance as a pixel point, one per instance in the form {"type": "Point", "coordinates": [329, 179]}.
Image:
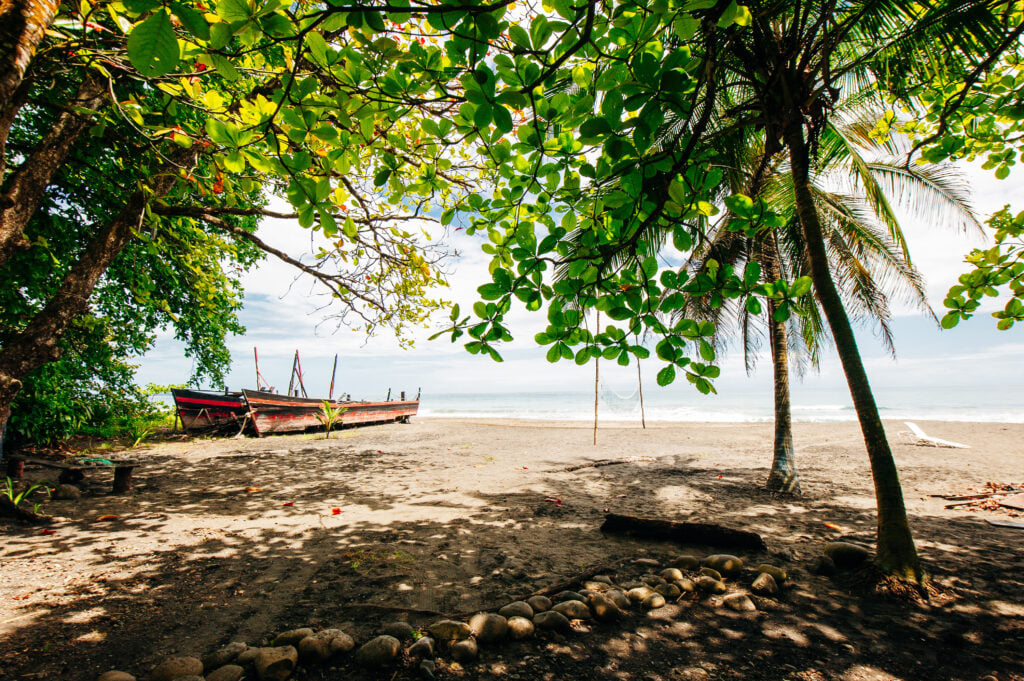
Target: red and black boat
{"type": "Point", "coordinates": [274, 413]}
{"type": "Point", "coordinates": [205, 410]}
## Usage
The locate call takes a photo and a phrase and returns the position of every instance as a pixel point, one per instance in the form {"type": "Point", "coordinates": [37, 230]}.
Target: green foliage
{"type": "Point", "coordinates": [17, 497]}
{"type": "Point", "coordinates": [328, 416]}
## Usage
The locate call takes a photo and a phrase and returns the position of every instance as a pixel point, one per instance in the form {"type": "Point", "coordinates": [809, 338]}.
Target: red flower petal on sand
{"type": "Point", "coordinates": [289, 503]}
{"type": "Point", "coordinates": [557, 502]}
{"type": "Point", "coordinates": [47, 531]}
{"type": "Point", "coordinates": [335, 511]}
{"type": "Point", "coordinates": [719, 476]}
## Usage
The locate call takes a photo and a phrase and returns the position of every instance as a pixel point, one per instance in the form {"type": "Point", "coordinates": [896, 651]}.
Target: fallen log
{"type": "Point", "coordinates": [682, 532]}
{"type": "Point", "coordinates": [8, 509]}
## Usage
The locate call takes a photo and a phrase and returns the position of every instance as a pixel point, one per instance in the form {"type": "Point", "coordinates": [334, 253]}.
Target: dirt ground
{"type": "Point", "coordinates": [236, 539]}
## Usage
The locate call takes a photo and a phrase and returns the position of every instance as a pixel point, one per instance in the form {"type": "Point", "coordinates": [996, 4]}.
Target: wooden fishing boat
{"type": "Point", "coordinates": [205, 410]}
{"type": "Point", "coordinates": [274, 413]}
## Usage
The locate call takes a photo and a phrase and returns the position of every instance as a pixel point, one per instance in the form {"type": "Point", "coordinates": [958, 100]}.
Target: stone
{"type": "Point", "coordinates": [646, 562]}
{"type": "Point", "coordinates": [227, 672]}
{"type": "Point", "coordinates": [539, 603]}
{"type": "Point", "coordinates": [652, 580]}
{"type": "Point", "coordinates": [671, 574]}
{"type": "Point", "coordinates": [617, 597]}
{"type": "Point", "coordinates": [174, 667]}
{"type": "Point", "coordinates": [549, 619]}
{"type": "Point", "coordinates": [292, 637]}
{"type": "Point", "coordinates": [449, 630]}
{"type": "Point", "coordinates": [223, 656]}
{"type": "Point", "coordinates": [847, 555]}
{"type": "Point", "coordinates": [190, 677]}
{"type": "Point", "coordinates": [711, 585]}
{"type": "Point", "coordinates": [488, 627]}
{"type": "Point", "coordinates": [686, 586]}
{"type": "Point", "coordinates": [686, 563]}
{"type": "Point", "coordinates": [427, 669]}
{"type": "Point", "coordinates": [568, 596]}
{"type": "Point", "coordinates": [709, 572]}
{"type": "Point", "coordinates": [65, 492]}
{"type": "Point", "coordinates": [605, 610]}
{"type": "Point", "coordinates": [519, 627]}
{"type": "Point", "coordinates": [403, 631]}
{"type": "Point", "coordinates": [638, 594]}
{"type": "Point", "coordinates": [777, 573]}
{"type": "Point", "coordinates": [247, 656]}
{"type": "Point", "coordinates": [725, 563]}
{"type": "Point", "coordinates": [517, 609]}
{"type": "Point", "coordinates": [574, 610]}
{"type": "Point", "coordinates": [378, 651]}
{"type": "Point", "coordinates": [424, 647]}
{"type": "Point", "coordinates": [114, 675]}
{"type": "Point", "coordinates": [740, 602]}
{"type": "Point", "coordinates": [824, 566]}
{"type": "Point", "coordinates": [654, 601]}
{"type": "Point", "coordinates": [465, 650]}
{"type": "Point", "coordinates": [592, 585]}
{"type": "Point", "coordinates": [340, 641]}
{"type": "Point", "coordinates": [276, 663]}
{"type": "Point", "coordinates": [315, 648]}
{"type": "Point", "coordinates": [604, 579]}
{"type": "Point", "coordinates": [669, 591]}
{"type": "Point", "coordinates": [765, 585]}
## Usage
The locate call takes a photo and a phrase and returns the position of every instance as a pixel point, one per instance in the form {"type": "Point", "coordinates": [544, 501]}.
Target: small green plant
{"type": "Point", "coordinates": [138, 431]}
{"type": "Point", "coordinates": [328, 416]}
{"type": "Point", "coordinates": [17, 498]}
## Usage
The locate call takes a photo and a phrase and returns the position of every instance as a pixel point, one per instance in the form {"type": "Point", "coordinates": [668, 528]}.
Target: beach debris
{"type": "Point", "coordinates": [1015, 502]}
{"type": "Point", "coordinates": [288, 503]}
{"type": "Point", "coordinates": [682, 532]}
{"type": "Point", "coordinates": [993, 497]}
{"type": "Point", "coordinates": [556, 502]}
{"type": "Point", "coordinates": [335, 511]}
{"type": "Point", "coordinates": [1005, 523]}
{"type": "Point", "coordinates": [833, 526]}
{"type": "Point", "coordinates": [105, 517]}
{"type": "Point", "coordinates": [253, 489]}
{"type": "Point", "coordinates": [46, 530]}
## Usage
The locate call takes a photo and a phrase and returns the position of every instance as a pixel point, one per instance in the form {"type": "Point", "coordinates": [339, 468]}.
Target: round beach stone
{"type": "Point", "coordinates": [620, 599]}
{"type": "Point", "coordinates": [671, 574]}
{"type": "Point", "coordinates": [638, 594]}
{"type": "Point", "coordinates": [549, 619]}
{"type": "Point", "coordinates": [562, 596]}
{"type": "Point", "coordinates": [711, 585]}
{"type": "Point", "coordinates": [114, 675]}
{"type": "Point", "coordinates": [847, 555]}
{"type": "Point", "coordinates": [223, 656]}
{"type": "Point", "coordinates": [604, 608]}
{"type": "Point", "coordinates": [174, 667]}
{"type": "Point", "coordinates": [686, 585]}
{"type": "Point", "coordinates": [403, 631]}
{"type": "Point", "coordinates": [314, 648]}
{"type": "Point", "coordinates": [740, 602]}
{"type": "Point", "coordinates": [652, 580]}
{"type": "Point", "coordinates": [604, 579]}
{"type": "Point", "coordinates": [292, 637]}
{"type": "Point", "coordinates": [247, 656]}
{"type": "Point", "coordinates": [424, 647]}
{"type": "Point", "coordinates": [654, 601]}
{"type": "Point", "coordinates": [776, 572]}
{"type": "Point", "coordinates": [669, 591]}
{"type": "Point", "coordinates": [646, 562]}
{"type": "Point", "coordinates": [449, 630]}
{"type": "Point", "coordinates": [574, 610]}
{"type": "Point", "coordinates": [488, 627]}
{"type": "Point", "coordinates": [710, 572]}
{"type": "Point", "coordinates": [190, 677]}
{"type": "Point", "coordinates": [227, 672]}
{"type": "Point", "coordinates": [465, 650]}
{"type": "Point", "coordinates": [276, 663]}
{"type": "Point", "coordinates": [517, 609]}
{"type": "Point", "coordinates": [340, 641]}
{"type": "Point", "coordinates": [592, 585]}
{"type": "Point", "coordinates": [65, 492]}
{"type": "Point", "coordinates": [725, 563]}
{"type": "Point", "coordinates": [765, 585]}
{"type": "Point", "coordinates": [539, 603]}
{"type": "Point", "coordinates": [427, 669]}
{"type": "Point", "coordinates": [519, 627]}
{"type": "Point", "coordinates": [378, 651]}
{"type": "Point", "coordinates": [687, 562]}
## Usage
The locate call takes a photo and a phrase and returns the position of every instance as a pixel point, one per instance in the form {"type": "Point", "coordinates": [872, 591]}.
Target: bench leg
{"type": "Point", "coordinates": [69, 476]}
{"type": "Point", "coordinates": [15, 469]}
{"type": "Point", "coordinates": [122, 480]}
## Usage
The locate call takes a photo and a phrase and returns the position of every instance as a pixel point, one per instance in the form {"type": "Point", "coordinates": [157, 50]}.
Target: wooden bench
{"type": "Point", "coordinates": [73, 472]}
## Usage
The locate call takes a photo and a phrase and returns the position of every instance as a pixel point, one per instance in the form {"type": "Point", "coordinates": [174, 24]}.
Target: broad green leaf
{"type": "Point", "coordinates": [666, 375]}
{"type": "Point", "coordinates": [234, 10]}
{"type": "Point", "coordinates": [192, 19]}
{"type": "Point", "coordinates": [153, 47]}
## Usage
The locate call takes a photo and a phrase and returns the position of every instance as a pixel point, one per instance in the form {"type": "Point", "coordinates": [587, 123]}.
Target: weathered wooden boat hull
{"type": "Point", "coordinates": [272, 413]}
{"type": "Point", "coordinates": [204, 410]}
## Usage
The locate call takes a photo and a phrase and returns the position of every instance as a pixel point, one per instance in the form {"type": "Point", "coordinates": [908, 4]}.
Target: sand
{"type": "Point", "coordinates": [454, 515]}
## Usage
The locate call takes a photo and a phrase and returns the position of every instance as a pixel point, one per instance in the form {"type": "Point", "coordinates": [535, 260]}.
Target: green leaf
{"type": "Point", "coordinates": [192, 20]}
{"type": "Point", "coordinates": [317, 47]}
{"type": "Point", "coordinates": [666, 375]}
{"type": "Point", "coordinates": [502, 118]}
{"type": "Point", "coordinates": [950, 320]}
{"type": "Point", "coordinates": [138, 7]}
{"type": "Point", "coordinates": [555, 353]}
{"type": "Point", "coordinates": [685, 26]}
{"type": "Point", "coordinates": [234, 10]}
{"type": "Point", "coordinates": [153, 47]}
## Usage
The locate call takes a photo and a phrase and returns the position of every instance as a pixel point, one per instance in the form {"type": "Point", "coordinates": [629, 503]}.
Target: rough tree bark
{"type": "Point", "coordinates": [897, 554]}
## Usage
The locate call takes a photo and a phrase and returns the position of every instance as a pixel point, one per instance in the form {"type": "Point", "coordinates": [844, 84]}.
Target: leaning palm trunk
{"type": "Point", "coordinates": [897, 554]}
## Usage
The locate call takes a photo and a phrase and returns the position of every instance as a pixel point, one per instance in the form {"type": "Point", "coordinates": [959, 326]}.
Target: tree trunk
{"type": "Point", "coordinates": [23, 24]}
{"type": "Point", "coordinates": [897, 554]}
{"type": "Point", "coordinates": [783, 476]}
{"type": "Point", "coordinates": [38, 343]}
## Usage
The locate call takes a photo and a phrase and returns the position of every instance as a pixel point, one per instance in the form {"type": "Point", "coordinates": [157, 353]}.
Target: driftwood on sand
{"type": "Point", "coordinates": [682, 532]}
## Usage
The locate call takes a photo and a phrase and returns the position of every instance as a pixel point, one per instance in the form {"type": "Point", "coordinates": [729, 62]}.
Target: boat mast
{"type": "Point", "coordinates": [298, 364]}
{"type": "Point", "coordinates": [291, 379]}
{"type": "Point", "coordinates": [330, 391]}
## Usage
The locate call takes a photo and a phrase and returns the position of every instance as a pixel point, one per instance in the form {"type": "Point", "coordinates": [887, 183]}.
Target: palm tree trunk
{"type": "Point", "coordinates": [897, 554]}
{"type": "Point", "coordinates": [783, 476]}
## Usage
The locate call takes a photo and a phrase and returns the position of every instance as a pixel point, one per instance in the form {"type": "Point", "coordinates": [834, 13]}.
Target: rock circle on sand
{"type": "Point", "coordinates": [539, 603]}
{"type": "Point", "coordinates": [710, 572]}
{"type": "Point", "coordinates": [777, 573]}
{"type": "Point", "coordinates": [403, 631]}
{"type": "Point", "coordinates": [824, 566]}
{"type": "Point", "coordinates": [669, 591]}
{"type": "Point", "coordinates": [449, 630]}
{"type": "Point", "coordinates": [464, 650]}
{"type": "Point", "coordinates": [686, 562]}
{"type": "Point", "coordinates": [519, 627]}
{"type": "Point", "coordinates": [604, 608]}
{"type": "Point", "coordinates": [646, 562]}
{"type": "Point", "coordinates": [276, 663]}
{"type": "Point", "coordinates": [617, 597]}
{"type": "Point", "coordinates": [114, 675]}
{"type": "Point", "coordinates": [423, 647]}
{"type": "Point", "coordinates": [765, 585]}
{"type": "Point", "coordinates": [653, 601]}
{"type": "Point", "coordinates": [247, 656]}
{"type": "Point", "coordinates": [686, 585]}
{"type": "Point", "coordinates": [725, 563]}
{"type": "Point", "coordinates": [740, 602]}
{"type": "Point", "coordinates": [427, 669]}
{"type": "Point", "coordinates": [292, 637]}
{"type": "Point", "coordinates": [573, 609]}
{"type": "Point", "coordinates": [653, 580]}
{"type": "Point", "coordinates": [592, 585]}
{"type": "Point", "coordinates": [340, 641]}
{"type": "Point", "coordinates": [517, 609]}
{"type": "Point", "coordinates": [488, 627]}
{"type": "Point", "coordinates": [638, 594]}
{"type": "Point", "coordinates": [224, 655]}
{"type": "Point", "coordinates": [671, 574]}
{"type": "Point", "coordinates": [710, 585]}
{"type": "Point", "coordinates": [175, 667]}
{"type": "Point", "coordinates": [847, 555]}
{"type": "Point", "coordinates": [227, 672]}
{"type": "Point", "coordinates": [563, 596]}
{"type": "Point", "coordinates": [378, 651]}
{"type": "Point", "coordinates": [549, 619]}
{"type": "Point", "coordinates": [604, 579]}
{"type": "Point", "coordinates": [315, 648]}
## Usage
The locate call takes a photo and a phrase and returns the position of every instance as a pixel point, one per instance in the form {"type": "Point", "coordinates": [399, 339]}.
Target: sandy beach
{"type": "Point", "coordinates": [235, 539]}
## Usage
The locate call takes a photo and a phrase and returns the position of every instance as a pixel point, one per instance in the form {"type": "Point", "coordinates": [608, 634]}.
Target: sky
{"type": "Point", "coordinates": [282, 316]}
